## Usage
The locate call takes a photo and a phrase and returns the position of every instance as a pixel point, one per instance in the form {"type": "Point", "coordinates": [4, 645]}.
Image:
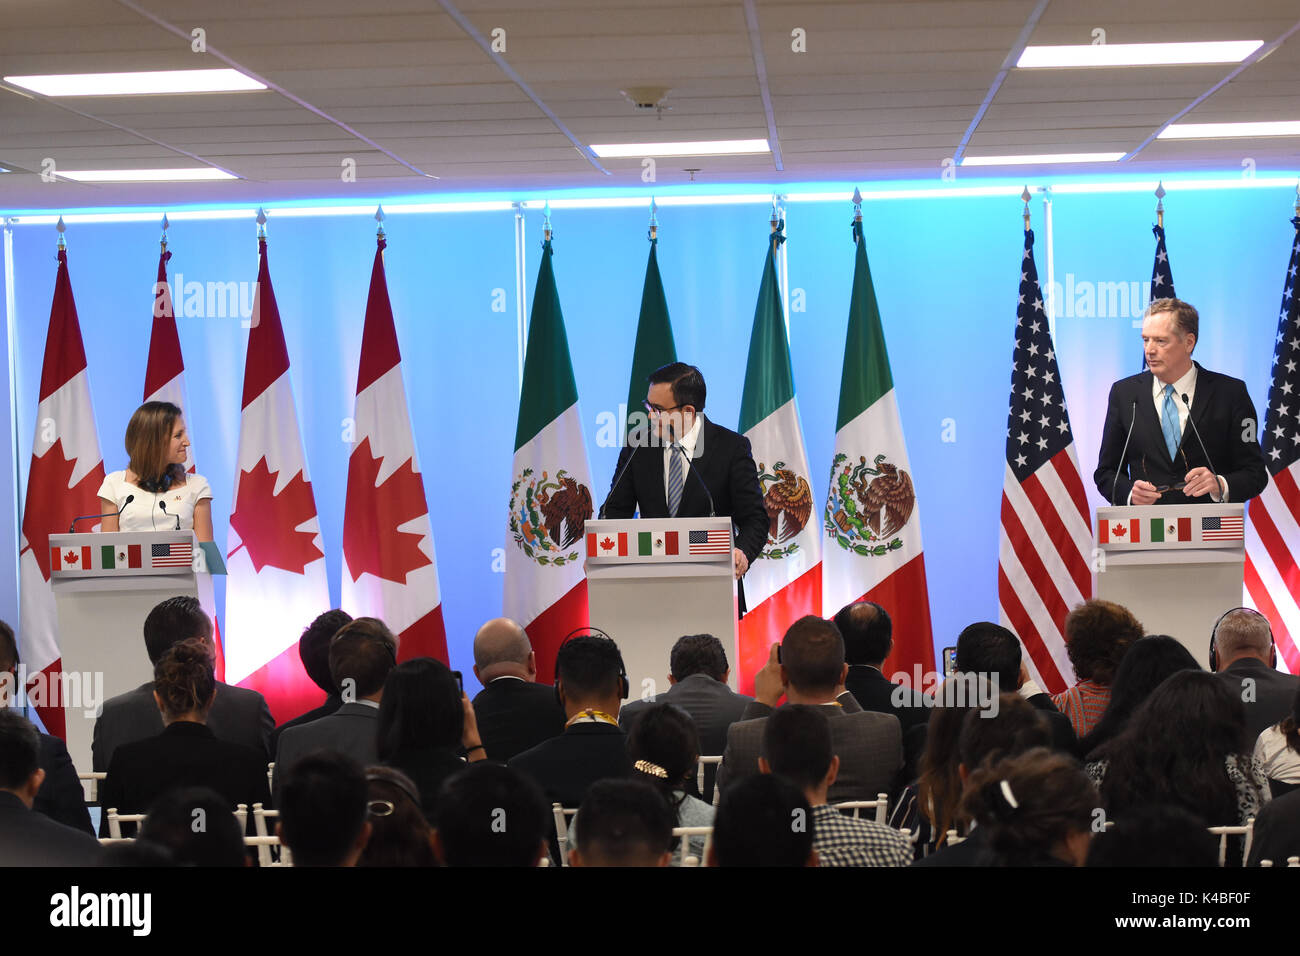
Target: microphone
{"type": "Point", "coordinates": [617, 478]}
{"type": "Point", "coordinates": [682, 451]}
{"type": "Point", "coordinates": [1114, 485]}
{"type": "Point", "coordinates": [163, 506]}
{"type": "Point", "coordinates": [1197, 432]}
{"type": "Point", "coordinates": [112, 514]}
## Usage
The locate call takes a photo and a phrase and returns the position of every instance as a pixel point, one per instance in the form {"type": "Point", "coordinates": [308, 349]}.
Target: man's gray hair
{"type": "Point", "coordinates": [1243, 631]}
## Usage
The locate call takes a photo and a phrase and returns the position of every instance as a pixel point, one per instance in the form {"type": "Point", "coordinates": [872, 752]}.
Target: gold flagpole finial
{"type": "Point", "coordinates": [654, 219]}
{"type": "Point", "coordinates": [1160, 204]}
{"type": "Point", "coordinates": [1026, 196]}
{"type": "Point", "coordinates": [1297, 198]}
{"type": "Point", "coordinates": [857, 204]}
{"type": "Point", "coordinates": [546, 221]}
{"type": "Point", "coordinates": [165, 224]}
{"type": "Point", "coordinates": [775, 221]}
{"type": "Point", "coordinates": [63, 243]}
{"type": "Point", "coordinates": [261, 223]}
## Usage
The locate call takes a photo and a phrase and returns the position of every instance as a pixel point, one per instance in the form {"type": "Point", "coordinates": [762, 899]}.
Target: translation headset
{"type": "Point", "coordinates": [369, 639]}
{"type": "Point", "coordinates": [1214, 638]}
{"type": "Point", "coordinates": [157, 485]}
{"type": "Point", "coordinates": [624, 688]}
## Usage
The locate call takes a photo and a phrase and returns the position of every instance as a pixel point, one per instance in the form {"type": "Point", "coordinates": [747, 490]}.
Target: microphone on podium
{"type": "Point", "coordinates": [163, 506]}
{"type": "Point", "coordinates": [112, 514]}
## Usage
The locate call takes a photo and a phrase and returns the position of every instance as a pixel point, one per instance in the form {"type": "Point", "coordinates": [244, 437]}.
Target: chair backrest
{"type": "Point", "coordinates": [879, 806]}
{"type": "Point", "coordinates": [115, 821]}
{"type": "Point", "coordinates": [262, 819]}
{"type": "Point", "coordinates": [1247, 832]}
{"type": "Point", "coordinates": [270, 776]}
{"type": "Point", "coordinates": [90, 784]}
{"type": "Point", "coordinates": [562, 815]}
{"type": "Point", "coordinates": [685, 833]}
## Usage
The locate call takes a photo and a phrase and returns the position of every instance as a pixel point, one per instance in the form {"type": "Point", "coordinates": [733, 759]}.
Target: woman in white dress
{"type": "Point", "coordinates": [157, 447]}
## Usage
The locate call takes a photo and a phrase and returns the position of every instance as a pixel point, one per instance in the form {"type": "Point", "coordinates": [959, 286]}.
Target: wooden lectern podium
{"type": "Point", "coordinates": [1176, 567]}
{"type": "Point", "coordinates": [653, 580]}
{"type": "Point", "coordinates": [105, 584]}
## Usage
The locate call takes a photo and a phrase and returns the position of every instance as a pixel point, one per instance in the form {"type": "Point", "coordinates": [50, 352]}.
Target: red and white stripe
{"type": "Point", "coordinates": [1272, 574]}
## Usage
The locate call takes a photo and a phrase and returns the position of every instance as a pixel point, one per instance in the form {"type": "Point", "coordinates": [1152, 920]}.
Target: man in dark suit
{"type": "Point", "coordinates": [1243, 654]}
{"type": "Point", "coordinates": [1166, 407]}
{"type": "Point", "coordinates": [687, 453]}
{"type": "Point", "coordinates": [314, 651]}
{"type": "Point", "coordinates": [514, 712]}
{"type": "Point", "coordinates": [808, 667]}
{"type": "Point", "coordinates": [590, 682]}
{"type": "Point", "coordinates": [28, 838]}
{"type": "Point", "coordinates": [238, 715]}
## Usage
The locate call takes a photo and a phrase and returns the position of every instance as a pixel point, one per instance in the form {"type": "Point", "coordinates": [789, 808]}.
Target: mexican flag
{"type": "Point", "coordinates": [784, 583]}
{"type": "Point", "coordinates": [550, 487]}
{"type": "Point", "coordinates": [654, 342]}
{"type": "Point", "coordinates": [873, 528]}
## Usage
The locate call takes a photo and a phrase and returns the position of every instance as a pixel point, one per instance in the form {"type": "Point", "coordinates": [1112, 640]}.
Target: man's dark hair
{"type": "Point", "coordinates": [1155, 835]}
{"type": "Point", "coordinates": [20, 749]}
{"type": "Point", "coordinates": [687, 383]}
{"type": "Point", "coordinates": [8, 648]}
{"type": "Point", "coordinates": [623, 823]}
{"type": "Point", "coordinates": [322, 808]}
{"type": "Point", "coordinates": [490, 815]}
{"type": "Point", "coordinates": [1014, 728]}
{"type": "Point", "coordinates": [421, 709]}
{"type": "Point", "coordinates": [812, 653]}
{"type": "Point", "coordinates": [797, 744]}
{"type": "Point", "coordinates": [198, 826]}
{"type": "Point", "coordinates": [867, 632]}
{"type": "Point", "coordinates": [314, 647]}
{"type": "Point", "coordinates": [987, 648]}
{"type": "Point", "coordinates": [1097, 636]}
{"type": "Point", "coordinates": [589, 665]}
{"type": "Point", "coordinates": [172, 621]}
{"type": "Point", "coordinates": [363, 651]}
{"type": "Point", "coordinates": [698, 654]}
{"type": "Point", "coordinates": [763, 820]}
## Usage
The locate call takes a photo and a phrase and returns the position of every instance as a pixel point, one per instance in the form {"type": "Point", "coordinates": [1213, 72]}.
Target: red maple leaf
{"type": "Point", "coordinates": [607, 543]}
{"type": "Point", "coordinates": [266, 521]}
{"type": "Point", "coordinates": [70, 557]}
{"type": "Point", "coordinates": [1120, 530]}
{"type": "Point", "coordinates": [371, 541]}
{"type": "Point", "coordinates": [52, 504]}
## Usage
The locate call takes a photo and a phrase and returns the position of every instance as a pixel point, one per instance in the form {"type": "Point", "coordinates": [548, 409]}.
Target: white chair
{"type": "Point", "coordinates": [562, 816]}
{"type": "Point", "coordinates": [699, 775]}
{"type": "Point", "coordinates": [90, 784]}
{"type": "Point", "coordinates": [109, 841]}
{"type": "Point", "coordinates": [1248, 832]}
{"type": "Point", "coordinates": [115, 821]}
{"type": "Point", "coordinates": [953, 839]}
{"type": "Point", "coordinates": [261, 816]}
{"type": "Point", "coordinates": [1292, 861]}
{"type": "Point", "coordinates": [685, 833]}
{"type": "Point", "coordinates": [270, 776]}
{"type": "Point", "coordinates": [880, 805]}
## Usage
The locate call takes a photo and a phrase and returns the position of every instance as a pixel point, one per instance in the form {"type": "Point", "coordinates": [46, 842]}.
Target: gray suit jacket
{"type": "Point", "coordinates": [1273, 693]}
{"type": "Point", "coordinates": [712, 705]}
{"type": "Point", "coordinates": [869, 745]}
{"type": "Point", "coordinates": [238, 716]}
{"type": "Point", "coordinates": [351, 730]}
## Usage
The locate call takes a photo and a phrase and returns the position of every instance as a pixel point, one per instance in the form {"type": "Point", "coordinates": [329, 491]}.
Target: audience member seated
{"type": "Point", "coordinates": [590, 683]}
{"type": "Point", "coordinates": [139, 854]}
{"type": "Point", "coordinates": [490, 815]}
{"type": "Point", "coordinates": [399, 833]}
{"type": "Point", "coordinates": [664, 750]}
{"type": "Point", "coordinates": [198, 826]}
{"type": "Point", "coordinates": [763, 820]}
{"type": "Point", "coordinates": [991, 650]}
{"type": "Point", "coordinates": [61, 797]}
{"type": "Point", "coordinates": [1192, 724]}
{"type": "Point", "coordinates": [28, 838]}
{"type": "Point", "coordinates": [1277, 751]}
{"type": "Point", "coordinates": [698, 674]}
{"type": "Point", "coordinates": [424, 720]}
{"type": "Point", "coordinates": [623, 823]}
{"type": "Point", "coordinates": [797, 746]}
{"type": "Point", "coordinates": [1143, 669]}
{"type": "Point", "coordinates": [361, 654]}
{"type": "Point", "coordinates": [1157, 835]}
{"type": "Point", "coordinates": [1097, 635]}
{"type": "Point", "coordinates": [513, 711]}
{"type": "Point", "coordinates": [808, 667]}
{"type": "Point", "coordinates": [314, 652]}
{"type": "Point", "coordinates": [238, 715]}
{"type": "Point", "coordinates": [1277, 831]}
{"type": "Point", "coordinates": [187, 753]}
{"type": "Point", "coordinates": [868, 636]}
{"type": "Point", "coordinates": [323, 804]}
{"type": "Point", "coordinates": [1243, 654]}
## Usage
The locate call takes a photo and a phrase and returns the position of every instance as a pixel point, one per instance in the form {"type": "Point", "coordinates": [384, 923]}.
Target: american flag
{"type": "Point", "coordinates": [1272, 577]}
{"type": "Point", "coordinates": [708, 542]}
{"type": "Point", "coordinates": [1162, 277]}
{"type": "Point", "coordinates": [1222, 529]}
{"type": "Point", "coordinates": [1046, 534]}
{"type": "Point", "coordinates": [172, 555]}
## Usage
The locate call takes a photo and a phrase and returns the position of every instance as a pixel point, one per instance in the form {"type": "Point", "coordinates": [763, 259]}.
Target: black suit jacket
{"type": "Point", "coordinates": [1277, 831]}
{"type": "Point", "coordinates": [428, 769]}
{"type": "Point", "coordinates": [1222, 412]}
{"type": "Point", "coordinates": [516, 715]}
{"type": "Point", "coordinates": [31, 839]}
{"type": "Point", "coordinates": [352, 730]}
{"type": "Point", "coordinates": [1273, 692]}
{"type": "Point", "coordinates": [1064, 738]}
{"type": "Point", "coordinates": [332, 703]}
{"type": "Point", "coordinates": [61, 797]}
{"type": "Point", "coordinates": [876, 692]}
{"type": "Point", "coordinates": [566, 766]}
{"type": "Point", "coordinates": [972, 851]}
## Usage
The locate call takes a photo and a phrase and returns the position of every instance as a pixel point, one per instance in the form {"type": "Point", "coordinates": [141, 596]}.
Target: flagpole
{"type": "Point", "coordinates": [1025, 196]}
{"type": "Point", "coordinates": [521, 293]}
{"type": "Point", "coordinates": [1160, 204]}
{"type": "Point", "coordinates": [1051, 260]}
{"type": "Point", "coordinates": [163, 242]}
{"type": "Point", "coordinates": [10, 306]}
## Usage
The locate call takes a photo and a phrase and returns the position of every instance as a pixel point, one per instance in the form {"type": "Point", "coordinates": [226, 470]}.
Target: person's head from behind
{"type": "Point", "coordinates": [198, 826]}
{"type": "Point", "coordinates": [490, 815]}
{"type": "Point", "coordinates": [589, 674]}
{"type": "Point", "coordinates": [20, 754]}
{"type": "Point", "coordinates": [314, 647]}
{"type": "Point", "coordinates": [797, 746]}
{"type": "Point", "coordinates": [1191, 712]}
{"type": "Point", "coordinates": [675, 396]}
{"type": "Point", "coordinates": [172, 621]}
{"type": "Point", "coordinates": [1012, 728]}
{"type": "Point", "coordinates": [323, 803]}
{"type": "Point", "coordinates": [1145, 666]}
{"type": "Point", "coordinates": [1242, 634]}
{"type": "Point", "coordinates": [867, 632]}
{"type": "Point", "coordinates": [361, 655]}
{"type": "Point", "coordinates": [185, 681]}
{"type": "Point", "coordinates": [623, 822]}
{"type": "Point", "coordinates": [1037, 805]}
{"type": "Point", "coordinates": [1158, 835]}
{"type": "Point", "coordinates": [421, 709]}
{"type": "Point", "coordinates": [812, 660]}
{"type": "Point", "coordinates": [992, 651]}
{"type": "Point", "coordinates": [502, 649]}
{"type": "Point", "coordinates": [939, 780]}
{"type": "Point", "coordinates": [763, 820]}
{"type": "Point", "coordinates": [1097, 636]}
{"type": "Point", "coordinates": [399, 833]}
{"type": "Point", "coordinates": [664, 746]}
{"type": "Point", "coordinates": [698, 654]}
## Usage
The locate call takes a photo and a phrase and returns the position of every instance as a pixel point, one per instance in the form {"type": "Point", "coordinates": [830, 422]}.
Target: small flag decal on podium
{"type": "Point", "coordinates": [174, 555]}
{"type": "Point", "coordinates": [1179, 529]}
{"type": "Point", "coordinates": [708, 542]}
{"type": "Point", "coordinates": [1223, 529]}
{"type": "Point", "coordinates": [107, 556]}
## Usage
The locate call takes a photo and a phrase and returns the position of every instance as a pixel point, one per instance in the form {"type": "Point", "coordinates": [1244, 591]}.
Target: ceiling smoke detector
{"type": "Point", "coordinates": [646, 99]}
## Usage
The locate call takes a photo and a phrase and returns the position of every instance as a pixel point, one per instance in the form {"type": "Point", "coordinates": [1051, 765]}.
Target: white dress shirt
{"type": "Point", "coordinates": [687, 442]}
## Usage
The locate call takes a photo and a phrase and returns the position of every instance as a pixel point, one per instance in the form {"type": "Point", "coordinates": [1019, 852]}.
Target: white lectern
{"type": "Point", "coordinates": [105, 584]}
{"type": "Point", "coordinates": [1176, 567]}
{"type": "Point", "coordinates": [653, 580]}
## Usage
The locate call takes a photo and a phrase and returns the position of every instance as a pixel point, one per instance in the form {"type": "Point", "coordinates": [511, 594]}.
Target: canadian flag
{"type": "Point", "coordinates": [275, 564]}
{"type": "Point", "coordinates": [63, 483]}
{"type": "Point", "coordinates": [389, 568]}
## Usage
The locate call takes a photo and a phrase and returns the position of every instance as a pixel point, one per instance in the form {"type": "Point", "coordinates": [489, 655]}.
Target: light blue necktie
{"type": "Point", "coordinates": [1170, 426]}
{"type": "Point", "coordinates": [675, 481]}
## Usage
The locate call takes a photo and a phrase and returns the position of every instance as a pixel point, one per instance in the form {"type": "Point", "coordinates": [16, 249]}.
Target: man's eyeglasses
{"type": "Point", "coordinates": [1177, 485]}
{"type": "Point", "coordinates": [652, 409]}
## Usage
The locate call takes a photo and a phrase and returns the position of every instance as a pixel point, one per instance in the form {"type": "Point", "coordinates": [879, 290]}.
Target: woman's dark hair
{"type": "Point", "coordinates": [938, 784]}
{"type": "Point", "coordinates": [1030, 803]}
{"type": "Point", "coordinates": [420, 709]}
{"type": "Point", "coordinates": [1175, 748]}
{"type": "Point", "coordinates": [665, 737]}
{"type": "Point", "coordinates": [148, 441]}
{"type": "Point", "coordinates": [1097, 635]}
{"type": "Point", "coordinates": [1290, 725]}
{"type": "Point", "coordinates": [185, 677]}
{"type": "Point", "coordinates": [402, 836]}
{"type": "Point", "coordinates": [1144, 667]}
